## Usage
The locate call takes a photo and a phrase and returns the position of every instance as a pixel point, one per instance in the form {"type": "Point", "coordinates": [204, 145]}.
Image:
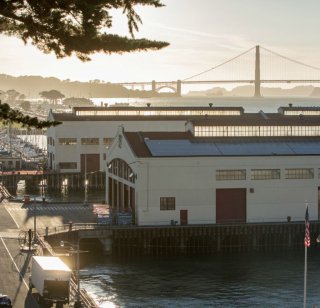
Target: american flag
{"type": "Point", "coordinates": [307, 232]}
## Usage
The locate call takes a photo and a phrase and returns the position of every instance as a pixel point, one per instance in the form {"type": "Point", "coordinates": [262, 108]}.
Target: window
{"type": "Point", "coordinates": [67, 141]}
{"type": "Point", "coordinates": [104, 156]}
{"type": "Point", "coordinates": [107, 141]}
{"type": "Point", "coordinates": [256, 131]}
{"type": "Point", "coordinates": [224, 175]}
{"type": "Point", "coordinates": [89, 141]}
{"type": "Point", "coordinates": [71, 165]}
{"type": "Point", "coordinates": [265, 174]}
{"type": "Point", "coordinates": [121, 169]}
{"type": "Point", "coordinates": [167, 203]}
{"type": "Point", "coordinates": [299, 173]}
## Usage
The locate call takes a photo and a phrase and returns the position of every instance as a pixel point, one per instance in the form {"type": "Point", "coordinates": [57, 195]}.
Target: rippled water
{"type": "Point", "coordinates": [237, 280]}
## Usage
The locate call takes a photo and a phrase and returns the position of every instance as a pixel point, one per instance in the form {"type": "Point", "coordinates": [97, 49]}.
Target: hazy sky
{"type": "Point", "coordinates": [202, 34]}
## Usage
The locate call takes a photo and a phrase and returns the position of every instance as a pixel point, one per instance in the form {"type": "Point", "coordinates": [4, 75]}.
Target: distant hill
{"type": "Point", "coordinates": [30, 86]}
{"type": "Point", "coordinates": [248, 90]}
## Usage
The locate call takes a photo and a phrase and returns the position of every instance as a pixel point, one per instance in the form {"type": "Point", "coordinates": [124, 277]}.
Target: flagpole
{"type": "Point", "coordinates": [306, 245]}
{"type": "Point", "coordinates": [305, 277]}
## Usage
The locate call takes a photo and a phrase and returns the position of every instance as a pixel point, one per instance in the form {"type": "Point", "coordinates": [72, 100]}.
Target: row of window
{"type": "Point", "coordinates": [256, 131]}
{"type": "Point", "coordinates": [265, 174]}
{"type": "Point", "coordinates": [301, 112]}
{"type": "Point", "coordinates": [155, 112]}
{"type": "Point", "coordinates": [85, 141]}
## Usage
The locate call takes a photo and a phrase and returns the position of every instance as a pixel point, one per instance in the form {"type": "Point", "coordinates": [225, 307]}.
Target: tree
{"type": "Point", "coordinates": [8, 114]}
{"type": "Point", "coordinates": [52, 95]}
{"type": "Point", "coordinates": [70, 27]}
{"type": "Point", "coordinates": [74, 27]}
{"type": "Point", "coordinates": [12, 95]}
{"type": "Point", "coordinates": [25, 105]}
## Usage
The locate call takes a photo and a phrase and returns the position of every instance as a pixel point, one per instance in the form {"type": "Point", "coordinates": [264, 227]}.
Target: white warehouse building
{"type": "Point", "coordinates": [250, 168]}
{"type": "Point", "coordinates": [80, 142]}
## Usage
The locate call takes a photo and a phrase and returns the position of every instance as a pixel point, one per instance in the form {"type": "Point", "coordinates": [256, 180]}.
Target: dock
{"type": "Point", "coordinates": [127, 241]}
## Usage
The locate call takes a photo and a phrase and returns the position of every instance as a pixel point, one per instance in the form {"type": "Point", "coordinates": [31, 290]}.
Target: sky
{"type": "Point", "coordinates": [201, 33]}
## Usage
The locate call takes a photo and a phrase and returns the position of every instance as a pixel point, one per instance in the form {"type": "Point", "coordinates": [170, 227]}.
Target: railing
{"type": "Point", "coordinates": [69, 227]}
{"type": "Point", "coordinates": [85, 297]}
{"type": "Point", "coordinates": [94, 226]}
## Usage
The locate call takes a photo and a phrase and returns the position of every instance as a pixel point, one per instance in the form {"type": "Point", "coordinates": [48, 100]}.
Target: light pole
{"type": "Point", "coordinates": [1, 169]}
{"type": "Point", "coordinates": [85, 181]}
{"type": "Point", "coordinates": [77, 303]}
{"type": "Point", "coordinates": [34, 220]}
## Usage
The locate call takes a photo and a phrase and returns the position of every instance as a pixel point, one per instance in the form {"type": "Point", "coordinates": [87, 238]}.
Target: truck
{"type": "Point", "coordinates": [50, 276]}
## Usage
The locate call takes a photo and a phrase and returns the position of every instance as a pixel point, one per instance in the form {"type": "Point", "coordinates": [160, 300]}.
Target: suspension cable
{"type": "Point", "coordinates": [292, 60]}
{"type": "Point", "coordinates": [212, 68]}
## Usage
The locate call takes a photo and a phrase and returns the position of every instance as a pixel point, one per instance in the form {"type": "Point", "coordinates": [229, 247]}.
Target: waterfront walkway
{"type": "Point", "coordinates": [15, 263]}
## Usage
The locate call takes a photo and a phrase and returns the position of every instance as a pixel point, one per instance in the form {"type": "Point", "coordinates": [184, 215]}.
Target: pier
{"type": "Point", "coordinates": [187, 240]}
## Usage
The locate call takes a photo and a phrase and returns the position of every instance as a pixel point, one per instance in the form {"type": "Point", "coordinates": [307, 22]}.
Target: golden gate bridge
{"type": "Point", "coordinates": [256, 66]}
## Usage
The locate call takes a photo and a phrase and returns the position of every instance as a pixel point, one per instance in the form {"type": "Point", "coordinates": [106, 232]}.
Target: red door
{"type": "Point", "coordinates": [90, 162]}
{"type": "Point", "coordinates": [183, 217]}
{"type": "Point", "coordinates": [231, 205]}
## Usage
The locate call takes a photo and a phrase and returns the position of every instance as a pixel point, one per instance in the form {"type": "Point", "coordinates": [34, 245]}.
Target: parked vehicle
{"type": "Point", "coordinates": [5, 301]}
{"type": "Point", "coordinates": [51, 278]}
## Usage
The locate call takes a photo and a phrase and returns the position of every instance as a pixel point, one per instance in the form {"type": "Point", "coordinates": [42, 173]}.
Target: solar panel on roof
{"type": "Point", "coordinates": [236, 148]}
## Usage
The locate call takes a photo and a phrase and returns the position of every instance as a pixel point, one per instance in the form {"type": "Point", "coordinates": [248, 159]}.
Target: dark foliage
{"type": "Point", "coordinates": [8, 114]}
{"type": "Point", "coordinates": [75, 26]}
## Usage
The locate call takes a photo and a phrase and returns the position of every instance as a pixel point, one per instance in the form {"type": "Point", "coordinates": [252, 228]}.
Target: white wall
{"type": "Point", "coordinates": [98, 129]}
{"type": "Point", "coordinates": [192, 182]}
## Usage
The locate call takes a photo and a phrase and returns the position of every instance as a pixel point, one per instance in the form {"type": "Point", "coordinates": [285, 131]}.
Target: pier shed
{"type": "Point", "coordinates": [170, 178]}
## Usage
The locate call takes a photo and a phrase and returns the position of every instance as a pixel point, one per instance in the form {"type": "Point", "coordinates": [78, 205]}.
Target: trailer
{"type": "Point", "coordinates": [51, 278]}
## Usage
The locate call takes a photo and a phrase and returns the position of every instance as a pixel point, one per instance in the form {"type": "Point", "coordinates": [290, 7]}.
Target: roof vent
{"type": "Point", "coordinates": [263, 115]}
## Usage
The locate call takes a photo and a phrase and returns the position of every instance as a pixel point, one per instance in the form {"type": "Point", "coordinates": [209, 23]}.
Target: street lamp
{"type": "Point", "coordinates": [1, 169]}
{"type": "Point", "coordinates": [77, 303]}
{"type": "Point", "coordinates": [85, 181]}
{"type": "Point", "coordinates": [34, 220]}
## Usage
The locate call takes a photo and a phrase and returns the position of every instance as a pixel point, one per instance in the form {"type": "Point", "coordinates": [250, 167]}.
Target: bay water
{"type": "Point", "coordinates": [224, 280]}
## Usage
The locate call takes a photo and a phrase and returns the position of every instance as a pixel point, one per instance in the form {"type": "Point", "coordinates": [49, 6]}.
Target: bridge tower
{"type": "Point", "coordinates": [178, 92]}
{"type": "Point", "coordinates": [257, 81]}
{"type": "Point", "coordinates": [153, 86]}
